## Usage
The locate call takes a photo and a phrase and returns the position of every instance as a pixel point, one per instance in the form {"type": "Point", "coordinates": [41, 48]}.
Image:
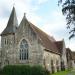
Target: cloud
{"type": "Point", "coordinates": [22, 6]}
{"type": "Point", "coordinates": [71, 44]}
{"type": "Point", "coordinates": [42, 1]}
{"type": "Point", "coordinates": [54, 24]}
{"type": "Point", "coordinates": [3, 23]}
{"type": "Point", "coordinates": [56, 27]}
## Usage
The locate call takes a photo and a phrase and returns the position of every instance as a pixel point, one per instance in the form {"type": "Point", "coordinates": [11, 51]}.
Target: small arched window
{"type": "Point", "coordinates": [52, 65]}
{"type": "Point", "coordinates": [51, 62]}
{"type": "Point", "coordinates": [57, 62]}
{"type": "Point", "coordinates": [5, 41]}
{"type": "Point", "coordinates": [23, 50]}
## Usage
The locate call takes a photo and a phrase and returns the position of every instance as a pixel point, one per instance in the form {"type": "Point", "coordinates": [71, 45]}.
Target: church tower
{"type": "Point", "coordinates": [8, 39]}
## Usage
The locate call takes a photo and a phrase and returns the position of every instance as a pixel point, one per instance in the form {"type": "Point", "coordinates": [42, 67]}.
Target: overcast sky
{"type": "Point", "coordinates": [43, 13]}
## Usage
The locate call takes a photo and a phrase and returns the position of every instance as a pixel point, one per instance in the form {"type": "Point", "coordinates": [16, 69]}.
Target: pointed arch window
{"type": "Point", "coordinates": [52, 65]}
{"type": "Point", "coordinates": [24, 50]}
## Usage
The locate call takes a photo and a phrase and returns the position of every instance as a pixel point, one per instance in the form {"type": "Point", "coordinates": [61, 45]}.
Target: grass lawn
{"type": "Point", "coordinates": [62, 73]}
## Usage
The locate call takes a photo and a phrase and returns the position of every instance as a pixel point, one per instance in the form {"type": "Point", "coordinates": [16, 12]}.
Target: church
{"type": "Point", "coordinates": [27, 44]}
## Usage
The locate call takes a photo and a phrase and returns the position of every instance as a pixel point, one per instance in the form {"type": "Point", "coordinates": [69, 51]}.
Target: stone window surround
{"type": "Point", "coordinates": [24, 50]}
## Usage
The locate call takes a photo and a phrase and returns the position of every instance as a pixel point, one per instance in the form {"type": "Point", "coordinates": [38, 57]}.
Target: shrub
{"type": "Point", "coordinates": [24, 70]}
{"type": "Point", "coordinates": [0, 71]}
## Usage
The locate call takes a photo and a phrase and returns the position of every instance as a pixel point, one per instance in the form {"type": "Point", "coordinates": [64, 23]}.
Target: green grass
{"type": "Point", "coordinates": [62, 73]}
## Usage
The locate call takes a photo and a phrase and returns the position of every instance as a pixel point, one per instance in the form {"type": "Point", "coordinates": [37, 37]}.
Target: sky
{"type": "Point", "coordinates": [45, 14]}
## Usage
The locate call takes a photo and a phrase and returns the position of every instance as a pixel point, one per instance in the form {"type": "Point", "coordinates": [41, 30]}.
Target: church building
{"type": "Point", "coordinates": [27, 44]}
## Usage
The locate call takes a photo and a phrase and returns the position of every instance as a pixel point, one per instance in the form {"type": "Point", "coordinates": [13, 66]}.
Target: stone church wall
{"type": "Point", "coordinates": [35, 48]}
{"type": "Point", "coordinates": [73, 64]}
{"type": "Point", "coordinates": [52, 66]}
{"type": "Point", "coordinates": [10, 46]}
{"type": "Point", "coordinates": [7, 44]}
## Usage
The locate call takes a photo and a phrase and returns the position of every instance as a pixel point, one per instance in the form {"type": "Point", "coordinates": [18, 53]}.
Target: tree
{"type": "Point", "coordinates": [68, 9]}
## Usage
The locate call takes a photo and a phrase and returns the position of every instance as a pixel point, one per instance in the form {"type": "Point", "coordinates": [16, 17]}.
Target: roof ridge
{"type": "Point", "coordinates": [47, 42]}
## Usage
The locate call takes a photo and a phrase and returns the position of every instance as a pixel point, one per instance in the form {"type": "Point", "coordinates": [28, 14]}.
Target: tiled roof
{"type": "Point", "coordinates": [73, 55]}
{"type": "Point", "coordinates": [46, 40]}
{"type": "Point", "coordinates": [59, 45]}
{"type": "Point", "coordinates": [12, 24]}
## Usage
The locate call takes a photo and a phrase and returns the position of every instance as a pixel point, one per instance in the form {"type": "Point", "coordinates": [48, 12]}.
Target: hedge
{"type": "Point", "coordinates": [23, 70]}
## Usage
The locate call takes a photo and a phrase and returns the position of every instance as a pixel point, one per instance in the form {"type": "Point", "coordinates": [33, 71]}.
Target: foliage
{"type": "Point", "coordinates": [24, 70]}
{"type": "Point", "coordinates": [68, 9]}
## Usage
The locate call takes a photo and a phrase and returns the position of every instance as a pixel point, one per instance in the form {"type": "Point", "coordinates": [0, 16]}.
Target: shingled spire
{"type": "Point", "coordinates": [12, 24]}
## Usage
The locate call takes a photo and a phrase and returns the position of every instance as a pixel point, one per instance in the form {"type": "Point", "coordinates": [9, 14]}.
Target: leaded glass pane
{"type": "Point", "coordinates": [24, 50]}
